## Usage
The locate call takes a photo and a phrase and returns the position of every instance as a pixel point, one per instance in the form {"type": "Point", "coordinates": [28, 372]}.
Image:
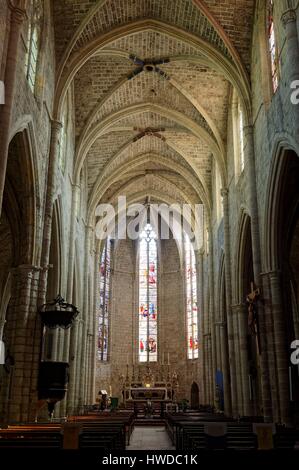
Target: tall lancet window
{"type": "Point", "coordinates": [191, 300]}
{"type": "Point", "coordinates": [274, 59]}
{"type": "Point", "coordinates": [105, 271]}
{"type": "Point", "coordinates": [36, 14]}
{"type": "Point", "coordinates": [148, 295]}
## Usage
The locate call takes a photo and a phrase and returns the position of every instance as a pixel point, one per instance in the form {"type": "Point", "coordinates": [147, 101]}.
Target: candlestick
{"type": "Point", "coordinates": [168, 360]}
{"type": "Point", "coordinates": [163, 359]}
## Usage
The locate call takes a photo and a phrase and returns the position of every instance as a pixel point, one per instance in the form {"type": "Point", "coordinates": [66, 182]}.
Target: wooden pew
{"type": "Point", "coordinates": [103, 433]}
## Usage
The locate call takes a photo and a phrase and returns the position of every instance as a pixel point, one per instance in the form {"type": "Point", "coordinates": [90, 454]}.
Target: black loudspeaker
{"type": "Point", "coordinates": [53, 380]}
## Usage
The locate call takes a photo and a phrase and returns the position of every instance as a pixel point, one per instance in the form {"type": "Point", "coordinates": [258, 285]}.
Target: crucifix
{"type": "Point", "coordinates": [251, 300]}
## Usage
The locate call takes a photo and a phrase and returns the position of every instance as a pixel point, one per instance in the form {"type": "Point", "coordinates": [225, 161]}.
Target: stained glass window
{"type": "Point", "coordinates": [191, 300]}
{"type": "Point", "coordinates": [272, 46]}
{"type": "Point", "coordinates": [36, 12]}
{"type": "Point", "coordinates": [148, 295]}
{"type": "Point", "coordinates": [105, 270]}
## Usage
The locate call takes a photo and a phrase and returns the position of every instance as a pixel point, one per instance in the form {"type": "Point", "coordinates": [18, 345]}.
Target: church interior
{"type": "Point", "coordinates": [149, 341]}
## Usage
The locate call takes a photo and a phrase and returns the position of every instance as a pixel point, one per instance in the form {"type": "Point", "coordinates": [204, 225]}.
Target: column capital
{"type": "Point", "coordinates": [56, 125]}
{"type": "Point", "coordinates": [248, 129]}
{"type": "Point", "coordinates": [199, 252]}
{"type": "Point", "coordinates": [222, 324]}
{"type": "Point", "coordinates": [18, 14]}
{"type": "Point", "coordinates": [27, 268]}
{"type": "Point", "coordinates": [272, 273]}
{"type": "Point", "coordinates": [238, 307]}
{"type": "Point", "coordinates": [224, 192]}
{"type": "Point", "coordinates": [289, 16]}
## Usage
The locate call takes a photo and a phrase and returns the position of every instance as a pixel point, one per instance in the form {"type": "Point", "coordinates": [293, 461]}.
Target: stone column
{"type": "Point", "coordinates": [271, 345]}
{"type": "Point", "coordinates": [291, 66]}
{"type": "Point", "coordinates": [17, 17]}
{"type": "Point", "coordinates": [212, 319]}
{"type": "Point", "coordinates": [33, 344]}
{"type": "Point", "coordinates": [209, 368]}
{"type": "Point", "coordinates": [79, 368]}
{"type": "Point", "coordinates": [242, 315]}
{"type": "Point", "coordinates": [200, 306]}
{"type": "Point", "coordinates": [23, 346]}
{"type": "Point", "coordinates": [251, 192]}
{"type": "Point", "coordinates": [73, 355]}
{"type": "Point", "coordinates": [228, 287]}
{"type": "Point", "coordinates": [93, 333]}
{"type": "Point", "coordinates": [87, 312]}
{"type": "Point", "coordinates": [239, 397]}
{"type": "Point", "coordinates": [50, 198]}
{"type": "Point", "coordinates": [225, 369]}
{"type": "Point", "coordinates": [281, 351]}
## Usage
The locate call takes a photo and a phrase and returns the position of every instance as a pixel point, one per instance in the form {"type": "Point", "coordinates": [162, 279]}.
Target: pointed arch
{"type": "Point", "coordinates": [243, 257]}
{"type": "Point", "coordinates": [194, 128]}
{"type": "Point", "coordinates": [218, 60]}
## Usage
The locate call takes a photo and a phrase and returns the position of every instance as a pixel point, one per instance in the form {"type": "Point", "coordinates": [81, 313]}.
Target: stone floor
{"type": "Point", "coordinates": [150, 438]}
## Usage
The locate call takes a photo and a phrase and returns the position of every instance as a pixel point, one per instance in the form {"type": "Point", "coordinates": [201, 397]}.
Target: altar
{"type": "Point", "coordinates": [143, 386]}
{"type": "Point", "coordinates": [152, 394]}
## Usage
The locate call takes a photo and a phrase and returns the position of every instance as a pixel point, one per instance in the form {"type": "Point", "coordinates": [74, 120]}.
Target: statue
{"type": "Point", "coordinates": [251, 301]}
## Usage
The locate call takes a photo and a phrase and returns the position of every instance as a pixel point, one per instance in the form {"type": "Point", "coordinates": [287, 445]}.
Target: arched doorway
{"type": "Point", "coordinates": [18, 257]}
{"type": "Point", "coordinates": [194, 396]}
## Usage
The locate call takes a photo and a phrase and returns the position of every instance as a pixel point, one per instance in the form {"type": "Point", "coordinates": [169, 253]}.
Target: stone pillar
{"type": "Point", "coordinates": [23, 348]}
{"type": "Point", "coordinates": [17, 17]}
{"type": "Point", "coordinates": [225, 369]}
{"type": "Point", "coordinates": [79, 368]}
{"type": "Point", "coordinates": [50, 197]}
{"type": "Point", "coordinates": [242, 315]}
{"type": "Point", "coordinates": [212, 320]}
{"type": "Point", "coordinates": [239, 397]}
{"type": "Point", "coordinates": [281, 351]}
{"type": "Point", "coordinates": [87, 313]}
{"type": "Point", "coordinates": [291, 65]}
{"type": "Point", "coordinates": [33, 344]}
{"type": "Point", "coordinates": [67, 339]}
{"type": "Point", "coordinates": [73, 354]}
{"type": "Point", "coordinates": [200, 306]}
{"type": "Point", "coordinates": [256, 253]}
{"type": "Point", "coordinates": [228, 286]}
{"type": "Point", "coordinates": [271, 345]}
{"type": "Point", "coordinates": [209, 370]}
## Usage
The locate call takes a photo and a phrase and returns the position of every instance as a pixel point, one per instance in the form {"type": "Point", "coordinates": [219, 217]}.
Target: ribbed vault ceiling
{"type": "Point", "coordinates": [145, 128]}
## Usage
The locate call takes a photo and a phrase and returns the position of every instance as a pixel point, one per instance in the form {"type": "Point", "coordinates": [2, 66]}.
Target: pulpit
{"type": "Point", "coordinates": [54, 376]}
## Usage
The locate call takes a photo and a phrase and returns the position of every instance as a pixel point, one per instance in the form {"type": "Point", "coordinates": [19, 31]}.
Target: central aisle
{"type": "Point", "coordinates": [150, 438]}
